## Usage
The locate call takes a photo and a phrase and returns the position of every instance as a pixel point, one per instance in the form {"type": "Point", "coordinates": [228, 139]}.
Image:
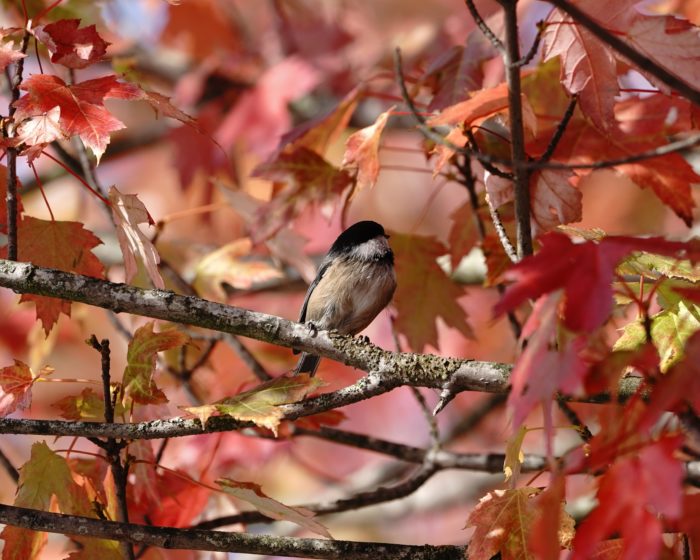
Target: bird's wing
{"type": "Point", "coordinates": [321, 271]}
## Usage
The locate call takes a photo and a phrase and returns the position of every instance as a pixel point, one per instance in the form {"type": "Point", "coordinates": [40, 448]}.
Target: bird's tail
{"type": "Point", "coordinates": [308, 363]}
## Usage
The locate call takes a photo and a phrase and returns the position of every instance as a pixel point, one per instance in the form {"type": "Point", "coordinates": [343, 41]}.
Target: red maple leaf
{"type": "Point", "coordinates": [630, 496]}
{"type": "Point", "coordinates": [584, 271]}
{"type": "Point", "coordinates": [70, 46]}
{"type": "Point", "coordinates": [362, 151]}
{"type": "Point", "coordinates": [588, 67]}
{"type": "Point", "coordinates": [8, 55]}
{"type": "Point", "coordinates": [82, 110]}
{"type": "Point", "coordinates": [82, 107]}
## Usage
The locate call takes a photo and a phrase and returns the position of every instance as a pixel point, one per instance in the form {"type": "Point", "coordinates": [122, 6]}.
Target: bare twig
{"type": "Point", "coordinates": [11, 196]}
{"type": "Point", "coordinates": [248, 358]}
{"type": "Point", "coordinates": [501, 231]}
{"type": "Point", "coordinates": [193, 539]}
{"type": "Point", "coordinates": [9, 467]}
{"type": "Point", "coordinates": [622, 47]}
{"type": "Point", "coordinates": [112, 447]}
{"type": "Point", "coordinates": [469, 182]}
{"type": "Point", "coordinates": [481, 24]}
{"type": "Point", "coordinates": [574, 418]}
{"type": "Point", "coordinates": [521, 174]}
{"type": "Point", "coordinates": [561, 128]}
{"type": "Point", "coordinates": [359, 500]}
{"type": "Point", "coordinates": [525, 60]}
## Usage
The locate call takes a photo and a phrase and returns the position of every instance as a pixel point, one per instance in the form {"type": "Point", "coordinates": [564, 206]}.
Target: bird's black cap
{"type": "Point", "coordinates": [356, 234]}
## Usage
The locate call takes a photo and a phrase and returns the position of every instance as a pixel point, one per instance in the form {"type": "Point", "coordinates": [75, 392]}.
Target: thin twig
{"type": "Point", "coordinates": [622, 47]}
{"type": "Point", "coordinates": [485, 29]}
{"type": "Point", "coordinates": [521, 176]}
{"type": "Point", "coordinates": [501, 231]}
{"type": "Point", "coordinates": [525, 60]}
{"type": "Point", "coordinates": [573, 417]}
{"type": "Point", "coordinates": [470, 184]}
{"type": "Point", "coordinates": [474, 146]}
{"type": "Point", "coordinates": [9, 467]}
{"type": "Point", "coordinates": [248, 358]}
{"type": "Point", "coordinates": [561, 128]}
{"type": "Point", "coordinates": [11, 197]}
{"type": "Point", "coordinates": [112, 447]}
{"type": "Point", "coordinates": [358, 501]}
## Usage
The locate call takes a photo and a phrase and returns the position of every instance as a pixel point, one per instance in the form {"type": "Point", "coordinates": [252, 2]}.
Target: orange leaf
{"type": "Point", "coordinates": [128, 212]}
{"type": "Point", "coordinates": [308, 178]}
{"type": "Point", "coordinates": [225, 265]}
{"type": "Point", "coordinates": [253, 494]}
{"type": "Point", "coordinates": [503, 519]}
{"type": "Point", "coordinates": [62, 245]}
{"type": "Point", "coordinates": [15, 383]}
{"type": "Point", "coordinates": [481, 105]}
{"type": "Point", "coordinates": [261, 404]}
{"type": "Point", "coordinates": [141, 363]}
{"type": "Point", "coordinates": [42, 477]}
{"type": "Point", "coordinates": [362, 151]}
{"type": "Point", "coordinates": [424, 291]}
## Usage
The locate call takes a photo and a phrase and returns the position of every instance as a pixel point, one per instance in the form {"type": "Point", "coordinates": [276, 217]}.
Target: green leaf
{"type": "Point", "coordinates": [260, 405]}
{"type": "Point", "coordinates": [141, 363]}
{"type": "Point", "coordinates": [670, 329]}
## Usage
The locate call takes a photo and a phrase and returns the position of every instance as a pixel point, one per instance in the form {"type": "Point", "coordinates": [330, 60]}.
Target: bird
{"type": "Point", "coordinates": [355, 281]}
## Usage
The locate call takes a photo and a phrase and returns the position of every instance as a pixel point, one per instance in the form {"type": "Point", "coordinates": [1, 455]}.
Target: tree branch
{"type": "Point", "coordinates": [195, 539]}
{"type": "Point", "coordinates": [485, 29]}
{"type": "Point", "coordinates": [521, 175]}
{"type": "Point", "coordinates": [11, 196]}
{"type": "Point", "coordinates": [641, 60]}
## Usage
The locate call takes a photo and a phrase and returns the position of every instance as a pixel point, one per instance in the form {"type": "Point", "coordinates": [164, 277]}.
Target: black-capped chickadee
{"type": "Point", "coordinates": [355, 282]}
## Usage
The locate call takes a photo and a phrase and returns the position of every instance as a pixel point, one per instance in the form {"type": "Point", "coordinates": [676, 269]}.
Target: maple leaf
{"type": "Point", "coordinates": [584, 271]}
{"type": "Point", "coordinates": [424, 291]}
{"type": "Point", "coordinates": [16, 383]}
{"type": "Point", "coordinates": [552, 528]}
{"type": "Point", "coordinates": [319, 133]}
{"type": "Point", "coordinates": [137, 381]}
{"type": "Point", "coordinates": [88, 405]}
{"type": "Point", "coordinates": [362, 151]}
{"type": "Point", "coordinates": [144, 472]}
{"type": "Point", "coordinates": [463, 234]}
{"type": "Point", "coordinates": [225, 265]}
{"type": "Point", "coordinates": [503, 519]}
{"type": "Point", "coordinates": [309, 178]}
{"type": "Point", "coordinates": [72, 47]}
{"type": "Point", "coordinates": [542, 370]}
{"type": "Point", "coordinates": [261, 404]}
{"type": "Point", "coordinates": [253, 494]}
{"type": "Point", "coordinates": [588, 66]}
{"type": "Point", "coordinates": [261, 115]}
{"type": "Point", "coordinates": [61, 245]}
{"type": "Point", "coordinates": [670, 330]}
{"type": "Point", "coordinates": [482, 105]}
{"type": "Point", "coordinates": [36, 132]}
{"type": "Point", "coordinates": [8, 55]}
{"type": "Point", "coordinates": [44, 476]}
{"type": "Point", "coordinates": [457, 71]}
{"type": "Point", "coordinates": [285, 245]}
{"type": "Point", "coordinates": [82, 110]}
{"type": "Point", "coordinates": [82, 107]}
{"type": "Point", "coordinates": [180, 500]}
{"type": "Point", "coordinates": [630, 495]}
{"type": "Point", "coordinates": [679, 388]}
{"type": "Point", "coordinates": [128, 212]}
{"type": "Point", "coordinates": [554, 201]}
